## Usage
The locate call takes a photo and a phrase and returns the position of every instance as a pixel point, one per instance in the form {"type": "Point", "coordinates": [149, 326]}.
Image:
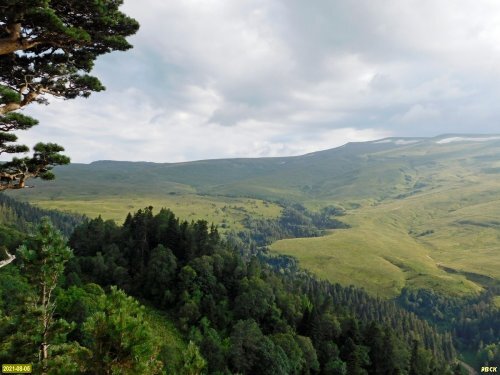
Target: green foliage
{"type": "Point", "coordinates": [335, 367]}
{"type": "Point", "coordinates": [119, 339]}
{"type": "Point", "coordinates": [8, 95]}
{"type": "Point", "coordinates": [14, 289]}
{"type": "Point", "coordinates": [22, 328]}
{"type": "Point", "coordinates": [10, 238]}
{"type": "Point", "coordinates": [48, 48]}
{"type": "Point", "coordinates": [172, 343]}
{"type": "Point", "coordinates": [79, 330]}
{"type": "Point", "coordinates": [295, 221]}
{"type": "Point", "coordinates": [420, 360]}
{"type": "Point", "coordinates": [355, 357]}
{"type": "Point", "coordinates": [161, 273]}
{"type": "Point", "coordinates": [474, 320]}
{"type": "Point", "coordinates": [13, 122]}
{"type": "Point", "coordinates": [309, 355]}
{"type": "Point", "coordinates": [295, 357]}
{"type": "Point", "coordinates": [46, 156]}
{"type": "Point", "coordinates": [63, 39]}
{"type": "Point", "coordinates": [31, 331]}
{"type": "Point", "coordinates": [193, 361]}
{"type": "Point", "coordinates": [17, 121]}
{"type": "Point", "coordinates": [253, 353]}
{"type": "Point", "coordinates": [255, 299]}
{"type": "Point", "coordinates": [77, 304]}
{"type": "Point", "coordinates": [489, 355]}
{"type": "Point", "coordinates": [244, 317]}
{"type": "Point", "coordinates": [43, 257]}
{"type": "Point", "coordinates": [19, 218]}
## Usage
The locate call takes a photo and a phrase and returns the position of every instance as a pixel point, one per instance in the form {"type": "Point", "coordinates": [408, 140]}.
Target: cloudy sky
{"type": "Point", "coordinates": [252, 78]}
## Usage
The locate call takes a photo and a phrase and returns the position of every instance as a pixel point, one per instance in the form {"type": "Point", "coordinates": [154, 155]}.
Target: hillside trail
{"type": "Point", "coordinates": [469, 369]}
{"type": "Point", "coordinates": [9, 259]}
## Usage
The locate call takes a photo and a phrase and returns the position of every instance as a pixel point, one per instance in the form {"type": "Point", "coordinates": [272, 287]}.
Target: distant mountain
{"type": "Point", "coordinates": [424, 212]}
{"type": "Point", "coordinates": [378, 169]}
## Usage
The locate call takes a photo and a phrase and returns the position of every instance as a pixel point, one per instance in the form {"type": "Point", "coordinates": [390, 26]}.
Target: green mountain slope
{"type": "Point", "coordinates": [264, 178]}
{"type": "Point", "coordinates": [424, 212]}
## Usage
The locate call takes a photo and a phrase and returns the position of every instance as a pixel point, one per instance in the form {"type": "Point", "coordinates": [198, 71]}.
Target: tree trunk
{"type": "Point", "coordinates": [9, 107]}
{"type": "Point", "coordinates": [14, 42]}
{"type": "Point", "coordinates": [11, 187]}
{"type": "Point", "coordinates": [29, 97]}
{"type": "Point", "coordinates": [8, 46]}
{"type": "Point", "coordinates": [44, 352]}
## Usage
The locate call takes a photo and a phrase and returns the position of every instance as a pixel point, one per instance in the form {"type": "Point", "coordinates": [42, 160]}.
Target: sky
{"type": "Point", "coordinates": [253, 78]}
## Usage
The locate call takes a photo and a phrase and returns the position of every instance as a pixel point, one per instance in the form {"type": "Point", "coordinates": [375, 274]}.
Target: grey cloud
{"type": "Point", "coordinates": [273, 77]}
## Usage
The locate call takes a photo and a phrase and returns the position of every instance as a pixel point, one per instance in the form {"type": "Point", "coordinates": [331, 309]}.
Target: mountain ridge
{"type": "Point", "coordinates": [381, 140]}
{"type": "Point", "coordinates": [415, 209]}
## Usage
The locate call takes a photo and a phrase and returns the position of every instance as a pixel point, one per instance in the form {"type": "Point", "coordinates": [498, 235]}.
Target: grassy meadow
{"type": "Point", "coordinates": [225, 212]}
{"type": "Point", "coordinates": [443, 236]}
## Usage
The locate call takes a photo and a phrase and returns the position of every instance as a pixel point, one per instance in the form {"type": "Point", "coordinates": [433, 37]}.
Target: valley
{"type": "Point", "coordinates": [423, 213]}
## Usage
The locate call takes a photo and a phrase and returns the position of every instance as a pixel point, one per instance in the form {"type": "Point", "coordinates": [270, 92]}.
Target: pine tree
{"type": "Point", "coordinates": [47, 49]}
{"type": "Point", "coordinates": [43, 257]}
{"type": "Point", "coordinates": [120, 339]}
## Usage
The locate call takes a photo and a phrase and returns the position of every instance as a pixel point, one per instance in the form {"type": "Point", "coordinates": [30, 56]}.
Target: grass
{"type": "Point", "coordinates": [412, 242]}
{"type": "Point", "coordinates": [437, 227]}
{"type": "Point", "coordinates": [376, 254]}
{"type": "Point", "coordinates": [496, 301]}
{"type": "Point", "coordinates": [223, 211]}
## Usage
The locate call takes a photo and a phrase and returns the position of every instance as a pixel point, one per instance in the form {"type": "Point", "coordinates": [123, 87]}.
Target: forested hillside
{"type": "Point", "coordinates": [23, 216]}
{"type": "Point", "coordinates": [245, 317]}
{"type": "Point", "coordinates": [17, 219]}
{"type": "Point", "coordinates": [237, 314]}
{"type": "Point", "coordinates": [474, 321]}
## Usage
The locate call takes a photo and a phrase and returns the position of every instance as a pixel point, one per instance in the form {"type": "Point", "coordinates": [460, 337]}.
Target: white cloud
{"type": "Point", "coordinates": [149, 133]}
{"type": "Point", "coordinates": [417, 114]}
{"type": "Point", "coordinates": [219, 78]}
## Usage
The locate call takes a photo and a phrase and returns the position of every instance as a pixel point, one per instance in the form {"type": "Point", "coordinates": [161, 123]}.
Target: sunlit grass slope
{"type": "Point", "coordinates": [440, 229]}
{"type": "Point", "coordinates": [226, 212]}
{"type": "Point", "coordinates": [381, 253]}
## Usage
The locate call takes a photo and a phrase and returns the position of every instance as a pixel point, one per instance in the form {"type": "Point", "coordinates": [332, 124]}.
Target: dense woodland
{"type": "Point", "coordinates": [474, 321]}
{"type": "Point", "coordinates": [295, 221]}
{"type": "Point", "coordinates": [235, 313]}
{"type": "Point", "coordinates": [18, 218]}
{"type": "Point", "coordinates": [23, 216]}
